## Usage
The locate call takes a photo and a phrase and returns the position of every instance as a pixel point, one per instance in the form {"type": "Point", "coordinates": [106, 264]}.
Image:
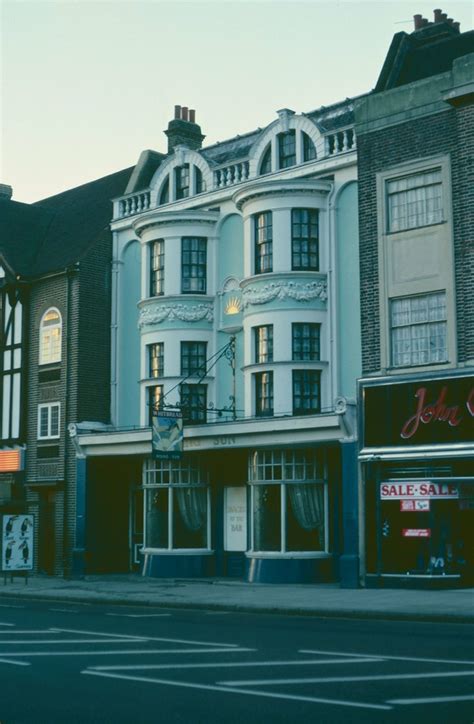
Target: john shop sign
{"type": "Point", "coordinates": [424, 412]}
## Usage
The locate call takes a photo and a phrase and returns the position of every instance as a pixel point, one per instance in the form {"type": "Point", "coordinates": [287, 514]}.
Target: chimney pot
{"type": "Point", "coordinates": [425, 22]}
{"type": "Point", "coordinates": [456, 26]}
{"type": "Point", "coordinates": [184, 113]}
{"type": "Point", "coordinates": [6, 192]}
{"type": "Point", "coordinates": [177, 112]}
{"type": "Point", "coordinates": [418, 23]}
{"type": "Point", "coordinates": [437, 15]}
{"type": "Point", "coordinates": [192, 115]}
{"type": "Point", "coordinates": [449, 20]}
{"type": "Point", "coordinates": [444, 16]}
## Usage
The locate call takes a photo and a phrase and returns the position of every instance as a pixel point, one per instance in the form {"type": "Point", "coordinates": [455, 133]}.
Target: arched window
{"type": "Point", "coordinates": [200, 184]}
{"type": "Point", "coordinates": [165, 192]}
{"type": "Point", "coordinates": [266, 165]}
{"type": "Point", "coordinates": [309, 149]}
{"type": "Point", "coordinates": [50, 337]}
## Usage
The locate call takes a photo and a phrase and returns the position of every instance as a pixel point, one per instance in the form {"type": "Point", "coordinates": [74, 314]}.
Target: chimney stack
{"type": "Point", "coordinates": [183, 130]}
{"type": "Point", "coordinates": [437, 15]}
{"type": "Point", "coordinates": [418, 21]}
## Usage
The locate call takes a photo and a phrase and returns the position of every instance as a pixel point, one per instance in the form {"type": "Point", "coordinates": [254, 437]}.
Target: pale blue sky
{"type": "Point", "coordinates": [88, 85]}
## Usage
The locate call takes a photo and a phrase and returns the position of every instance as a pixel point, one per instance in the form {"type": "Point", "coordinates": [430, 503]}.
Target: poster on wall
{"type": "Point", "coordinates": [167, 435]}
{"type": "Point", "coordinates": [235, 519]}
{"type": "Point", "coordinates": [17, 543]}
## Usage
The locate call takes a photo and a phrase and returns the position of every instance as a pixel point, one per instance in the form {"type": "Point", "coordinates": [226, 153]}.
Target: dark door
{"type": "Point", "coordinates": [46, 533]}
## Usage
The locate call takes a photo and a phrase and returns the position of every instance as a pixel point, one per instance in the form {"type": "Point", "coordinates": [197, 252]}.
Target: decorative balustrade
{"type": "Point", "coordinates": [339, 142]}
{"type": "Point", "coordinates": [134, 204]}
{"type": "Point", "coordinates": [232, 174]}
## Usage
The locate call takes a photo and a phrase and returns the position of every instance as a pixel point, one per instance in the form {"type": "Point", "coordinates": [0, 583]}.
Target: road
{"type": "Point", "coordinates": [85, 664]}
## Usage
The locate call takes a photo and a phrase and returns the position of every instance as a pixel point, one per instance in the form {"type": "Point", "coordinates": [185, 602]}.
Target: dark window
{"type": "Point", "coordinates": [266, 165]}
{"type": "Point", "coordinates": [157, 268]}
{"type": "Point", "coordinates": [48, 451]}
{"type": "Point", "coordinates": [165, 192]}
{"type": "Point", "coordinates": [309, 149]}
{"type": "Point", "coordinates": [193, 403]}
{"type": "Point", "coordinates": [304, 239]}
{"type": "Point", "coordinates": [263, 242]}
{"type": "Point", "coordinates": [156, 359]}
{"type": "Point", "coordinates": [264, 394]}
{"type": "Point", "coordinates": [306, 392]}
{"type": "Point", "coordinates": [193, 264]}
{"type": "Point", "coordinates": [200, 183]}
{"type": "Point", "coordinates": [155, 401]}
{"type": "Point", "coordinates": [287, 149]}
{"type": "Point", "coordinates": [193, 358]}
{"type": "Point", "coordinates": [182, 181]}
{"type": "Point", "coordinates": [306, 344]}
{"type": "Point", "coordinates": [264, 343]}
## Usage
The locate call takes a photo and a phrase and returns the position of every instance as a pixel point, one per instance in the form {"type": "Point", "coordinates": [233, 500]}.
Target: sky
{"type": "Point", "coordinates": [86, 85]}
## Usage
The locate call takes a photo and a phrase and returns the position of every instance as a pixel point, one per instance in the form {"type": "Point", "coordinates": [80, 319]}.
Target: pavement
{"type": "Point", "coordinates": [326, 600]}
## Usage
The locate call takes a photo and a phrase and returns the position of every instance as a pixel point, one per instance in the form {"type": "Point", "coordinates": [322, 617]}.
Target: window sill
{"type": "Point", "coordinates": [410, 229]}
{"type": "Point", "coordinates": [177, 551]}
{"type": "Point", "coordinates": [293, 554]}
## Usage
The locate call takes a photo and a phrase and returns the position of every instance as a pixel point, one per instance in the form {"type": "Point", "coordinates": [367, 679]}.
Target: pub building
{"type": "Point", "coordinates": [417, 480]}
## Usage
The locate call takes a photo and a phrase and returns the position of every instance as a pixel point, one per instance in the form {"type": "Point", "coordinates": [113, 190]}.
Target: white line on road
{"type": "Point", "coordinates": [70, 641]}
{"type": "Point", "coordinates": [10, 605]}
{"type": "Point", "coordinates": [433, 700]}
{"type": "Point", "coordinates": [236, 664]}
{"type": "Point", "coordinates": [148, 638]}
{"type": "Point", "coordinates": [7, 624]}
{"type": "Point", "coordinates": [130, 652]}
{"type": "Point", "coordinates": [15, 663]}
{"type": "Point", "coordinates": [333, 679]}
{"type": "Point", "coordinates": [63, 610]}
{"type": "Point", "coordinates": [99, 633]}
{"type": "Point", "coordinates": [389, 658]}
{"type": "Point", "coordinates": [138, 615]}
{"type": "Point", "coordinates": [24, 631]}
{"type": "Point", "coordinates": [226, 690]}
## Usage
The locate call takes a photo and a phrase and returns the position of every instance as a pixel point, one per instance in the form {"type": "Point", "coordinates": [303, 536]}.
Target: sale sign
{"type": "Point", "coordinates": [414, 505]}
{"type": "Point", "coordinates": [416, 532]}
{"type": "Point", "coordinates": [418, 489]}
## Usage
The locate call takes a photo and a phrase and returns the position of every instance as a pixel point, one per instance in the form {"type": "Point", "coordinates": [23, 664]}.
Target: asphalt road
{"type": "Point", "coordinates": [84, 664]}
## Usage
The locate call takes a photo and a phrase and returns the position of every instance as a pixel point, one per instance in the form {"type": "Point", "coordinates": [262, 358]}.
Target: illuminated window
{"type": "Point", "coordinates": [50, 337]}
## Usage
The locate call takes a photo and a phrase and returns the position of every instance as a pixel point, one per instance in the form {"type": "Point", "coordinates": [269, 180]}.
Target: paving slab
{"type": "Point", "coordinates": [328, 600]}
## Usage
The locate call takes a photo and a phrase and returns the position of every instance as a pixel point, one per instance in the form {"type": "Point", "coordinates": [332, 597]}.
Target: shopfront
{"type": "Point", "coordinates": [417, 480]}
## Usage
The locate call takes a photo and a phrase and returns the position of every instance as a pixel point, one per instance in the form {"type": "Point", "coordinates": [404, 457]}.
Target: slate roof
{"type": "Point", "coordinates": [56, 232]}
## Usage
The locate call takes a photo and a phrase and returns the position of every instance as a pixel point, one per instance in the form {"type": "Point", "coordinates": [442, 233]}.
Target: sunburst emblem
{"type": "Point", "coordinates": [233, 306]}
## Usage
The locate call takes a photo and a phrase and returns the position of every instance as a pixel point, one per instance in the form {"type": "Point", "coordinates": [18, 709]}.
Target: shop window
{"type": "Point", "coordinates": [419, 330]}
{"type": "Point", "coordinates": [264, 394]}
{"type": "Point", "coordinates": [182, 182]}
{"type": "Point", "coordinates": [193, 359]}
{"type": "Point", "coordinates": [50, 337]}
{"type": "Point", "coordinates": [48, 420]}
{"type": "Point", "coordinates": [155, 401]}
{"type": "Point", "coordinates": [415, 200]}
{"type": "Point", "coordinates": [264, 343]}
{"type": "Point", "coordinates": [305, 341]}
{"type": "Point", "coordinates": [309, 149]}
{"type": "Point", "coordinates": [306, 392]}
{"type": "Point", "coordinates": [304, 240]}
{"type": "Point", "coordinates": [266, 164]}
{"type": "Point", "coordinates": [263, 242]}
{"type": "Point", "coordinates": [157, 268]}
{"type": "Point", "coordinates": [193, 403]}
{"type": "Point", "coordinates": [156, 359]}
{"type": "Point", "coordinates": [193, 265]}
{"type": "Point", "coordinates": [177, 513]}
{"type": "Point", "coordinates": [287, 149]}
{"type": "Point", "coordinates": [288, 501]}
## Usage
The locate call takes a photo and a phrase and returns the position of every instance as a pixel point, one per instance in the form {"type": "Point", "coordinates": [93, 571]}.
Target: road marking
{"type": "Point", "coordinates": [63, 610]}
{"type": "Point", "coordinates": [68, 641]}
{"type": "Point", "coordinates": [15, 663]}
{"type": "Point", "coordinates": [129, 652]}
{"type": "Point", "coordinates": [389, 658]}
{"type": "Point", "coordinates": [433, 700]}
{"type": "Point", "coordinates": [333, 679]}
{"type": "Point", "coordinates": [251, 692]}
{"type": "Point", "coordinates": [232, 665]}
{"type": "Point", "coordinates": [99, 633]}
{"type": "Point", "coordinates": [24, 631]}
{"type": "Point", "coordinates": [148, 638]}
{"type": "Point", "coordinates": [138, 615]}
{"type": "Point", "coordinates": [7, 624]}
{"type": "Point", "coordinates": [10, 605]}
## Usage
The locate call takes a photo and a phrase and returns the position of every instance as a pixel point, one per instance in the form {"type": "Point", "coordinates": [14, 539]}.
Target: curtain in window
{"type": "Point", "coordinates": [307, 502]}
{"type": "Point", "coordinates": [415, 201]}
{"type": "Point", "coordinates": [192, 503]}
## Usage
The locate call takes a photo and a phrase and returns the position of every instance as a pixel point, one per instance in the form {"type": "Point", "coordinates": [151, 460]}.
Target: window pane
{"type": "Point", "coordinates": [155, 401]}
{"type": "Point", "coordinates": [190, 517]}
{"type": "Point", "coordinates": [264, 343]}
{"type": "Point", "coordinates": [304, 517]}
{"type": "Point", "coordinates": [304, 239]}
{"type": "Point", "coordinates": [266, 165]}
{"type": "Point", "coordinates": [54, 411]}
{"type": "Point", "coordinates": [263, 242]}
{"type": "Point", "coordinates": [193, 265]}
{"type": "Point", "coordinates": [157, 268]}
{"type": "Point", "coordinates": [264, 394]}
{"type": "Point", "coordinates": [193, 403]}
{"type": "Point", "coordinates": [287, 149]}
{"type": "Point", "coordinates": [414, 201]}
{"type": "Point", "coordinates": [156, 535]}
{"type": "Point", "coordinates": [306, 392]}
{"type": "Point", "coordinates": [156, 359]}
{"type": "Point", "coordinates": [193, 358]}
{"type": "Point", "coordinates": [306, 341]}
{"type": "Point", "coordinates": [267, 517]}
{"type": "Point", "coordinates": [419, 330]}
{"type": "Point", "coordinates": [182, 181]}
{"type": "Point", "coordinates": [309, 149]}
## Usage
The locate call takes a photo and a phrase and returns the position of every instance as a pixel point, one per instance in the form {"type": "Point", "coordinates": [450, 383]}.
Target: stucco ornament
{"type": "Point", "coordinates": [301, 292]}
{"type": "Point", "coordinates": [182, 312]}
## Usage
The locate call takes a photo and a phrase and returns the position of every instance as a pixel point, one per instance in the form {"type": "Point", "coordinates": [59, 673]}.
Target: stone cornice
{"type": "Point", "coordinates": [158, 218]}
{"type": "Point", "coordinates": [284, 187]}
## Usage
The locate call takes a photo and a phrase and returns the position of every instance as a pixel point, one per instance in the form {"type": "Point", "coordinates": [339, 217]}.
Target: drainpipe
{"type": "Point", "coordinates": [332, 297]}
{"type": "Point", "coordinates": [114, 325]}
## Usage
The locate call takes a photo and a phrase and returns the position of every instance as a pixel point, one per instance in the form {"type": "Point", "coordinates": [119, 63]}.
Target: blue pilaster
{"type": "Point", "coordinates": [349, 561]}
{"type": "Point", "coordinates": [79, 551]}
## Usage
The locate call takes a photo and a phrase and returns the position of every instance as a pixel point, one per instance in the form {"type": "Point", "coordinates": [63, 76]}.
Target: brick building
{"type": "Point", "coordinates": [55, 257]}
{"type": "Point", "coordinates": [416, 215]}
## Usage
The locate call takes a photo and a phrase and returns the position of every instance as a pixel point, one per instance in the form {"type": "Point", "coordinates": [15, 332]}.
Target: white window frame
{"type": "Point", "coordinates": [42, 343]}
{"type": "Point", "coordinates": [150, 468]}
{"type": "Point", "coordinates": [412, 326]}
{"type": "Point", "coordinates": [283, 520]}
{"type": "Point", "coordinates": [49, 406]}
